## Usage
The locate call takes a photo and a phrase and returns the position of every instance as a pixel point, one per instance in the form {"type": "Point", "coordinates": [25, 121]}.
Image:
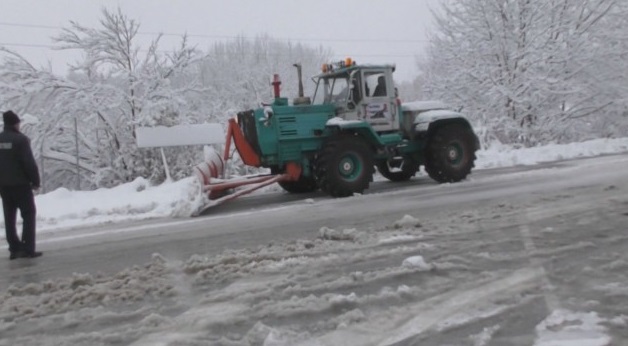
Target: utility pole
{"type": "Point", "coordinates": [78, 168]}
{"type": "Point", "coordinates": [41, 164]}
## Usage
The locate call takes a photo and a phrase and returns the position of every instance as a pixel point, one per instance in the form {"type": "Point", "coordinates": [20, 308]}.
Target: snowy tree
{"type": "Point", "coordinates": [128, 88]}
{"type": "Point", "coordinates": [237, 74]}
{"type": "Point", "coordinates": [83, 124]}
{"type": "Point", "coordinates": [113, 90]}
{"type": "Point", "coordinates": [529, 71]}
{"type": "Point", "coordinates": [411, 90]}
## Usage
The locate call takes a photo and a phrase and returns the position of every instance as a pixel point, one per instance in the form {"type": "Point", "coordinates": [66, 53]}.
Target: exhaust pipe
{"type": "Point", "coordinates": [300, 100]}
{"type": "Point", "coordinates": [276, 83]}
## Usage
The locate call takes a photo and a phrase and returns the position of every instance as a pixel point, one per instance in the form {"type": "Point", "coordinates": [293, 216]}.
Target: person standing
{"type": "Point", "coordinates": [19, 176]}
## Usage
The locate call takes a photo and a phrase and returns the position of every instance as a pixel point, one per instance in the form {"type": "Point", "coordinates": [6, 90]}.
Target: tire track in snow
{"type": "Point", "coordinates": [551, 300]}
{"type": "Point", "coordinates": [395, 329]}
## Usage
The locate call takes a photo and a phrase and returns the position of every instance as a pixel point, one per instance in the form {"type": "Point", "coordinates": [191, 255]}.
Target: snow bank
{"type": "Point", "coordinates": [499, 155]}
{"type": "Point", "coordinates": [136, 200]}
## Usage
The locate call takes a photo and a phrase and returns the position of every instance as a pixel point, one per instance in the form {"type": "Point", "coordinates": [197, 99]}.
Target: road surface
{"type": "Point", "coordinates": [502, 251]}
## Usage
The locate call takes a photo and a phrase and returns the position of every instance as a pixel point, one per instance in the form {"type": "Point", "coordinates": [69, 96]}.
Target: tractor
{"type": "Point", "coordinates": [334, 140]}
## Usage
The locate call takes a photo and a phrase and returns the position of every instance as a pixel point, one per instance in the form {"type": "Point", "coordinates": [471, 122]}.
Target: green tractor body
{"type": "Point", "coordinates": [352, 124]}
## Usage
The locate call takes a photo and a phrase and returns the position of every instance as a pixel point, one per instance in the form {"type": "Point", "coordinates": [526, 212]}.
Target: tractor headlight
{"type": "Point", "coordinates": [268, 112]}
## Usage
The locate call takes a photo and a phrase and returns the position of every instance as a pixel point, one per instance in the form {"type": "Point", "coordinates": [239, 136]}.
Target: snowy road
{"type": "Point", "coordinates": [510, 257]}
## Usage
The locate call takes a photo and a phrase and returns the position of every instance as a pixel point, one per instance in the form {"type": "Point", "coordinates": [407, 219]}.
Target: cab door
{"type": "Point", "coordinates": [378, 106]}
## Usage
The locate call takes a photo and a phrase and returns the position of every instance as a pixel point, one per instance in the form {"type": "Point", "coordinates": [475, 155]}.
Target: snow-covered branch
{"type": "Point", "coordinates": [526, 69]}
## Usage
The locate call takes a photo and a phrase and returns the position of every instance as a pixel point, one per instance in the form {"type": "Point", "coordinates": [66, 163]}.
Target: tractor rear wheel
{"type": "Point", "coordinates": [344, 166]}
{"type": "Point", "coordinates": [450, 153]}
{"type": "Point", "coordinates": [303, 185]}
{"type": "Point", "coordinates": [404, 169]}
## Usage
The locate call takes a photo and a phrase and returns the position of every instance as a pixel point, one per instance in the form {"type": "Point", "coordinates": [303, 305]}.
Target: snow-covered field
{"type": "Point", "coordinates": [471, 277]}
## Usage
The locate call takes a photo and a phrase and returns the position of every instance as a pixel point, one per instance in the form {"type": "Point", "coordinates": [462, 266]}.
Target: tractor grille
{"type": "Point", "coordinates": [288, 126]}
{"type": "Point", "coordinates": [285, 120]}
{"type": "Point", "coordinates": [288, 132]}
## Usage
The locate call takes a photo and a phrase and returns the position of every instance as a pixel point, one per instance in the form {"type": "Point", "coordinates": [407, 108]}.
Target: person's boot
{"type": "Point", "coordinates": [16, 254]}
{"type": "Point", "coordinates": [32, 254]}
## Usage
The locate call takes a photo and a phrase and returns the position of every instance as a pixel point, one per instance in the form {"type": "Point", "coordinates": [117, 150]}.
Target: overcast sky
{"type": "Point", "coordinates": [370, 31]}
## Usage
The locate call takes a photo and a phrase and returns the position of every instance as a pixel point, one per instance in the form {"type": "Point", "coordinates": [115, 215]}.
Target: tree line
{"type": "Point", "coordinates": [532, 72]}
{"type": "Point", "coordinates": [88, 117]}
{"type": "Point", "coordinates": [526, 72]}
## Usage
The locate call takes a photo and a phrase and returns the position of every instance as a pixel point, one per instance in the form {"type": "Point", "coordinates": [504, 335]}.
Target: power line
{"type": "Point", "coordinates": [222, 37]}
{"type": "Point", "coordinates": [409, 55]}
{"type": "Point", "coordinates": [48, 46]}
{"type": "Point", "coordinates": [29, 45]}
{"type": "Point", "coordinates": [30, 26]}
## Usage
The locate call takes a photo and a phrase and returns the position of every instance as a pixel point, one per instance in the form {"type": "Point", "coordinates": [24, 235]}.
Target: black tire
{"type": "Point", "coordinates": [345, 166]}
{"type": "Point", "coordinates": [450, 153]}
{"type": "Point", "coordinates": [303, 185]}
{"type": "Point", "coordinates": [408, 169]}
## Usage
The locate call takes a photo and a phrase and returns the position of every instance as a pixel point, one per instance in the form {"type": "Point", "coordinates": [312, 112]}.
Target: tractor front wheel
{"type": "Point", "coordinates": [450, 153]}
{"type": "Point", "coordinates": [344, 166]}
{"type": "Point", "coordinates": [303, 185]}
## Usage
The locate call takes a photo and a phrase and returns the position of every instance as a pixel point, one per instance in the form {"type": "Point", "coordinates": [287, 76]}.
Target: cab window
{"type": "Point", "coordinates": [376, 85]}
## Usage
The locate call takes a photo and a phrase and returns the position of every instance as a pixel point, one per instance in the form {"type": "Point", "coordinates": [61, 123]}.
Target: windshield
{"type": "Point", "coordinates": [332, 90]}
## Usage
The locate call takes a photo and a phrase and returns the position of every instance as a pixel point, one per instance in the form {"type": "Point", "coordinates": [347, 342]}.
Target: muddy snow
{"type": "Point", "coordinates": [547, 270]}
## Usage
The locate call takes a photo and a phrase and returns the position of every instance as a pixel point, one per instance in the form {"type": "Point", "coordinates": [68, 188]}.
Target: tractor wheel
{"type": "Point", "coordinates": [408, 169]}
{"type": "Point", "coordinates": [303, 185]}
{"type": "Point", "coordinates": [450, 153]}
{"type": "Point", "coordinates": [345, 166]}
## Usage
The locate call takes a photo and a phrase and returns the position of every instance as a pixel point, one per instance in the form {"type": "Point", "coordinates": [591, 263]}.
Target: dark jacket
{"type": "Point", "coordinates": [17, 164]}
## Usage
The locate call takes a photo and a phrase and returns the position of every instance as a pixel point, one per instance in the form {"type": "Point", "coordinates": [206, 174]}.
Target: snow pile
{"type": "Point", "coordinates": [499, 155]}
{"type": "Point", "coordinates": [566, 328]}
{"type": "Point", "coordinates": [85, 290]}
{"type": "Point", "coordinates": [416, 262]}
{"type": "Point", "coordinates": [485, 336]}
{"type": "Point", "coordinates": [332, 234]}
{"type": "Point", "coordinates": [136, 200]}
{"type": "Point", "coordinates": [407, 221]}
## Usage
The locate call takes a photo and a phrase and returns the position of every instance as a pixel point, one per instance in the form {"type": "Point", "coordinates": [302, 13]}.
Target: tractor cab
{"type": "Point", "coordinates": [359, 92]}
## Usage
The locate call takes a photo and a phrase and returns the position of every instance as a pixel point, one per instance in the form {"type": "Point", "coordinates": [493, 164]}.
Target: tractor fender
{"type": "Point", "coordinates": [357, 127]}
{"type": "Point", "coordinates": [424, 120]}
{"type": "Point", "coordinates": [421, 118]}
{"type": "Point", "coordinates": [427, 122]}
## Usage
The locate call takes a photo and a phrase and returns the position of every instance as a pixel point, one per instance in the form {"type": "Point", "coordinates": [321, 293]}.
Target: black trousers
{"type": "Point", "coordinates": [14, 198]}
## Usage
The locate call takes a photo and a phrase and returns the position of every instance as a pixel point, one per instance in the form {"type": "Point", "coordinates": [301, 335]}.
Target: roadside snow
{"type": "Point", "coordinates": [137, 200]}
{"type": "Point", "coordinates": [505, 156]}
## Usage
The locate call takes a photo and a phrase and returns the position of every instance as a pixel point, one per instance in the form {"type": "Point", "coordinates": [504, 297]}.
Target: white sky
{"type": "Point", "coordinates": [376, 31]}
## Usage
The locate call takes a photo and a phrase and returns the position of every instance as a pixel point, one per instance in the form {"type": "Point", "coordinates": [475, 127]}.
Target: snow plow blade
{"type": "Point", "coordinates": [255, 182]}
{"type": "Point", "coordinates": [219, 190]}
